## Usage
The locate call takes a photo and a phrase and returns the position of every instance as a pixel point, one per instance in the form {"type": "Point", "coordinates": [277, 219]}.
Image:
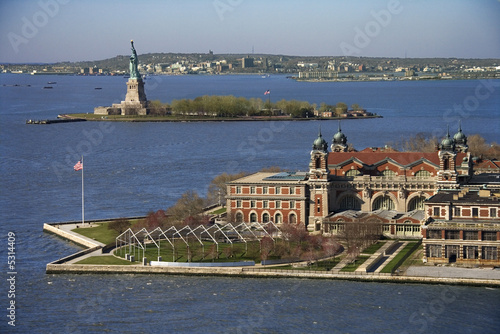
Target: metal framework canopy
{"type": "Point", "coordinates": [227, 233]}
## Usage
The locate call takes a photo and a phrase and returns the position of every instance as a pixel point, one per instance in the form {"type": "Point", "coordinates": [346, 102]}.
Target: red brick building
{"type": "Point", "coordinates": [462, 226]}
{"type": "Point", "coordinates": [264, 197]}
{"type": "Point", "coordinates": [339, 180]}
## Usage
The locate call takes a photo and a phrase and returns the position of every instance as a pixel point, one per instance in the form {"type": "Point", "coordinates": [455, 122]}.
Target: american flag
{"type": "Point", "coordinates": [267, 92]}
{"type": "Point", "coordinates": [78, 166]}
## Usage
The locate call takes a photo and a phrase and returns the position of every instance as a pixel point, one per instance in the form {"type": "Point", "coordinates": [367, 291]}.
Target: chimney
{"type": "Point", "coordinates": [484, 193]}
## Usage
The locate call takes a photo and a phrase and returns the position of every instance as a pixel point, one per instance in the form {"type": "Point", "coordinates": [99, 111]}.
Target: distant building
{"type": "Point", "coordinates": [462, 226]}
{"type": "Point", "coordinates": [318, 75]}
{"type": "Point", "coordinates": [247, 62]}
{"type": "Point", "coordinates": [307, 65]}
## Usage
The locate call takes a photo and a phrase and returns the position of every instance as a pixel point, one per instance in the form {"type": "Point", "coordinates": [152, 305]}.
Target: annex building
{"type": "Point", "coordinates": [397, 190]}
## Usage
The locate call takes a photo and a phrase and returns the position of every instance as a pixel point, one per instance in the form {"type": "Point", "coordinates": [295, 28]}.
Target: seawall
{"type": "Point", "coordinates": [61, 266]}
{"type": "Point", "coordinates": [76, 238]}
{"type": "Point", "coordinates": [53, 268]}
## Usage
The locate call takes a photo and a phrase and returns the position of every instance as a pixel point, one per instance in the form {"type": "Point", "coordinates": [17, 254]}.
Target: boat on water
{"type": "Point", "coordinates": [51, 83]}
{"type": "Point", "coordinates": [48, 87]}
{"type": "Point", "coordinates": [98, 88]}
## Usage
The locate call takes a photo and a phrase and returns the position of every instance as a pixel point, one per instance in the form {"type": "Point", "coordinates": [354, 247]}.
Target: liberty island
{"type": "Point", "coordinates": [210, 108]}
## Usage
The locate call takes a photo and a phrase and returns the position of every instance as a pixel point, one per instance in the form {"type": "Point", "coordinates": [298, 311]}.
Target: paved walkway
{"type": "Point", "coordinates": [69, 227]}
{"type": "Point", "coordinates": [375, 258]}
{"type": "Point", "coordinates": [453, 272]}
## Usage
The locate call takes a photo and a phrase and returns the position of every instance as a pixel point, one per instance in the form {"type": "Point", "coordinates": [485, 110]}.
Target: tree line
{"type": "Point", "coordinates": [478, 147]}
{"type": "Point", "coordinates": [231, 106]}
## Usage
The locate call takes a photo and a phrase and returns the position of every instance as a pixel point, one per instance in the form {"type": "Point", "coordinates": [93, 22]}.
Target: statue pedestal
{"type": "Point", "coordinates": [135, 102]}
{"type": "Point", "coordinates": [135, 92]}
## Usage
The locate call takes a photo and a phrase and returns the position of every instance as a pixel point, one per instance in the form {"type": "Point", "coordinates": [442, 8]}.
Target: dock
{"type": "Point", "coordinates": [54, 121]}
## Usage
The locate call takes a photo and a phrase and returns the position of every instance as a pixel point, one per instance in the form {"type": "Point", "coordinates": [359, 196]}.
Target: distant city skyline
{"type": "Point", "coordinates": [69, 30]}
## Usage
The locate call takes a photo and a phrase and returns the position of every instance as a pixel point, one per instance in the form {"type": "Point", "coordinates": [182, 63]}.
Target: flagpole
{"type": "Point", "coordinates": [83, 199]}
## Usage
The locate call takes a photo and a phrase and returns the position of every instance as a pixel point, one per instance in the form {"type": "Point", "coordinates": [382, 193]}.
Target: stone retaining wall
{"type": "Point", "coordinates": [73, 237]}
{"type": "Point", "coordinates": [241, 272]}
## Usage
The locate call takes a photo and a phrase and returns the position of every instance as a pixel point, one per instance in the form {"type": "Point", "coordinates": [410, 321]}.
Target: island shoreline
{"type": "Point", "coordinates": [164, 119]}
{"type": "Point", "coordinates": [60, 266]}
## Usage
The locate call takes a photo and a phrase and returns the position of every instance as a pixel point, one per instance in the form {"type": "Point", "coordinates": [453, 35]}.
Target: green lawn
{"type": "Point", "coordinates": [198, 254]}
{"type": "Point", "coordinates": [218, 212]}
{"type": "Point", "coordinates": [353, 266]}
{"type": "Point", "coordinates": [99, 233]}
{"type": "Point", "coordinates": [373, 248]}
{"type": "Point", "coordinates": [105, 259]}
{"type": "Point", "coordinates": [392, 265]}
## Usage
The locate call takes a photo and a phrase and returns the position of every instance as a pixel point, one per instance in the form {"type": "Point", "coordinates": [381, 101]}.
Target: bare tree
{"type": "Point", "coordinates": [189, 205]}
{"type": "Point", "coordinates": [119, 225]}
{"type": "Point", "coordinates": [266, 246]}
{"type": "Point", "coordinates": [217, 190]}
{"type": "Point", "coordinates": [360, 234]}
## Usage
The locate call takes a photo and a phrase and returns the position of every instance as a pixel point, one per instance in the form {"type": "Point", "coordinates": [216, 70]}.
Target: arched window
{"type": "Point", "coordinates": [253, 217]}
{"type": "Point", "coordinates": [350, 202]}
{"type": "Point", "coordinates": [384, 203]}
{"type": "Point", "coordinates": [278, 219]}
{"type": "Point", "coordinates": [265, 218]}
{"type": "Point", "coordinates": [352, 173]}
{"type": "Point", "coordinates": [293, 219]}
{"type": "Point", "coordinates": [239, 217]}
{"type": "Point", "coordinates": [388, 174]}
{"type": "Point", "coordinates": [416, 203]}
{"type": "Point", "coordinates": [422, 174]}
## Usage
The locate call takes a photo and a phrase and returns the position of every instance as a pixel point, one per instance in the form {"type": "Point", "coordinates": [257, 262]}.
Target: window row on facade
{"type": "Point", "coordinates": [384, 202]}
{"type": "Point", "coordinates": [462, 235]}
{"type": "Point", "coordinates": [267, 190]}
{"type": "Point", "coordinates": [387, 174]}
{"type": "Point", "coordinates": [253, 217]}
{"type": "Point", "coordinates": [401, 230]}
{"type": "Point", "coordinates": [462, 252]}
{"type": "Point", "coordinates": [458, 211]}
{"type": "Point", "coordinates": [265, 204]}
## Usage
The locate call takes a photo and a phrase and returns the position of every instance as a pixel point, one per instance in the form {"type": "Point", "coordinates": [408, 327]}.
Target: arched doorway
{"type": "Point", "coordinates": [278, 218]}
{"type": "Point", "coordinates": [265, 218]}
{"type": "Point", "coordinates": [253, 217]}
{"type": "Point", "coordinates": [292, 219]}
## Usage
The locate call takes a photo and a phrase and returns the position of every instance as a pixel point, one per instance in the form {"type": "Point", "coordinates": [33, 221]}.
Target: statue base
{"type": "Point", "coordinates": [135, 102]}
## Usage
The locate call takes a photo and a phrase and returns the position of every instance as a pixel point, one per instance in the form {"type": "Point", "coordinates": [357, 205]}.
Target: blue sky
{"type": "Point", "coordinates": [73, 30]}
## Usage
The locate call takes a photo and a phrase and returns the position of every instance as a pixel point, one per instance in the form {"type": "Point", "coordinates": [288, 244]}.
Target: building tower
{"type": "Point", "coordinates": [447, 174]}
{"type": "Point", "coordinates": [318, 184]}
{"type": "Point", "coordinates": [339, 141]}
{"type": "Point", "coordinates": [460, 140]}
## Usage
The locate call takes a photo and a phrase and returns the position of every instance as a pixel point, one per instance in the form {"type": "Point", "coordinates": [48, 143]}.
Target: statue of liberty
{"type": "Point", "coordinates": [134, 71]}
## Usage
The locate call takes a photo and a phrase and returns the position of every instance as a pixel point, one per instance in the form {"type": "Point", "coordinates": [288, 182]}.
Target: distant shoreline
{"type": "Point", "coordinates": [186, 119]}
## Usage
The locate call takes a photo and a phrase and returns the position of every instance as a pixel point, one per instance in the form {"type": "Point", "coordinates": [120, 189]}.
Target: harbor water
{"type": "Point", "coordinates": [134, 168]}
